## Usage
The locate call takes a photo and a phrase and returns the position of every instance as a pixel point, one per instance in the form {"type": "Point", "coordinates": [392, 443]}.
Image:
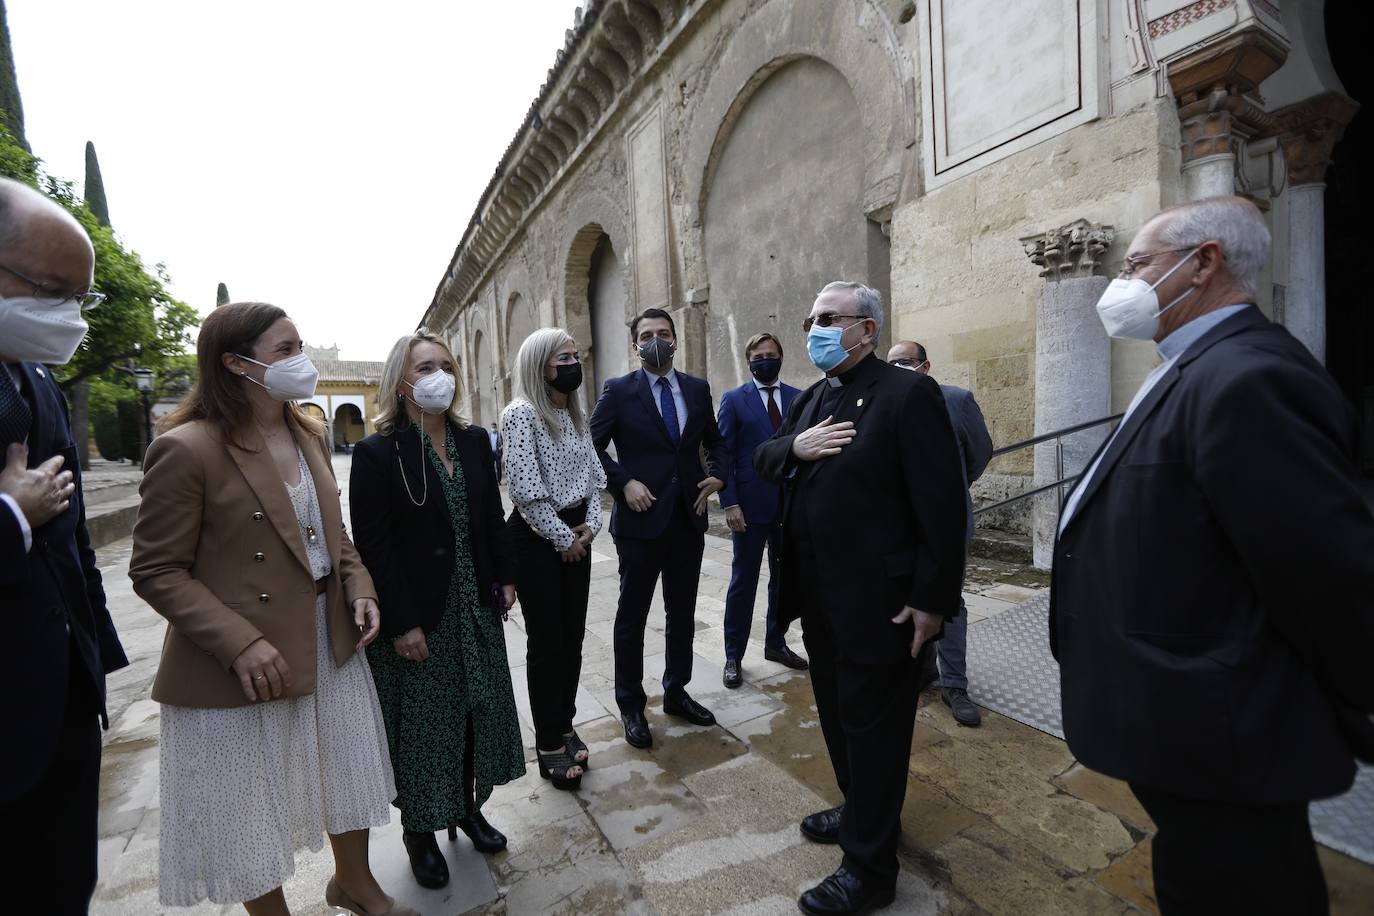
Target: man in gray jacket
{"type": "Point", "coordinates": [975, 448]}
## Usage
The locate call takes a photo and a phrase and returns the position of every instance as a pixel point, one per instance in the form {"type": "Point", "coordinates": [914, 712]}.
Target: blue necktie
{"type": "Point", "coordinates": [669, 408]}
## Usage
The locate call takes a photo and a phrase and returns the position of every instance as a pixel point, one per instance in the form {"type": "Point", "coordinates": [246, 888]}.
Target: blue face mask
{"type": "Point", "coordinates": [825, 346]}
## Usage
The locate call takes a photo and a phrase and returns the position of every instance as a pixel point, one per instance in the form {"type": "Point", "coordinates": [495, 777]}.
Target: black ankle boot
{"type": "Point", "coordinates": [485, 837]}
{"type": "Point", "coordinates": [426, 861]}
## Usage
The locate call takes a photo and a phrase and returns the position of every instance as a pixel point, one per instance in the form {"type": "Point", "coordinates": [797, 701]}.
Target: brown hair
{"type": "Point", "coordinates": [759, 339]}
{"type": "Point", "coordinates": [217, 396]}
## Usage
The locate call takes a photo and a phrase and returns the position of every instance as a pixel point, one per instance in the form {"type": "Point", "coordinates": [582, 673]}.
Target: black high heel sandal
{"type": "Point", "coordinates": [485, 838]}
{"type": "Point", "coordinates": [555, 766]}
{"type": "Point", "coordinates": [575, 744]}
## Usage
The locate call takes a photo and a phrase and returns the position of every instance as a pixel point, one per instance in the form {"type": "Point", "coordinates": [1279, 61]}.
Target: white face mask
{"type": "Point", "coordinates": [290, 379]}
{"type": "Point", "coordinates": [37, 332]}
{"type": "Point", "coordinates": [1130, 308]}
{"type": "Point", "coordinates": [433, 393]}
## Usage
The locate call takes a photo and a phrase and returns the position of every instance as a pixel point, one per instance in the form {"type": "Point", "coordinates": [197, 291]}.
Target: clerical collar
{"type": "Point", "coordinates": [849, 375]}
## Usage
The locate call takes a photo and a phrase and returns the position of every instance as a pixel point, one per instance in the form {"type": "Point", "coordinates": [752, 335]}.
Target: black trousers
{"type": "Point", "coordinates": [51, 865]}
{"type": "Point", "coordinates": [1213, 858]}
{"type": "Point", "coordinates": [676, 555]}
{"type": "Point", "coordinates": [553, 600]}
{"type": "Point", "coordinates": [867, 716]}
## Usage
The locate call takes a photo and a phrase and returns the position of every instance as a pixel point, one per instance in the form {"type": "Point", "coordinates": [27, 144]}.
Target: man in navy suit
{"type": "Point", "coordinates": [62, 640]}
{"type": "Point", "coordinates": [662, 424]}
{"type": "Point", "coordinates": [749, 415]}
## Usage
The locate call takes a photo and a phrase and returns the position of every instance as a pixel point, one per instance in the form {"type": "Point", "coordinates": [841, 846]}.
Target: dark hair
{"type": "Point", "coordinates": [216, 396]}
{"type": "Point", "coordinates": [759, 340]}
{"type": "Point", "coordinates": [651, 313]}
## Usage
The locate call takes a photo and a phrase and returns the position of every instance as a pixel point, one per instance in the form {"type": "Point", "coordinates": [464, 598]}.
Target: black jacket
{"type": "Point", "coordinates": [52, 589]}
{"type": "Point", "coordinates": [1212, 607]}
{"type": "Point", "coordinates": [408, 549]}
{"type": "Point", "coordinates": [885, 515]}
{"type": "Point", "coordinates": [627, 414]}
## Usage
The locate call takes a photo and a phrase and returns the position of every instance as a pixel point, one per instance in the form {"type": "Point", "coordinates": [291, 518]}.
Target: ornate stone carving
{"type": "Point", "coordinates": [1210, 123]}
{"type": "Point", "coordinates": [1212, 85]}
{"type": "Point", "coordinates": [1069, 251]}
{"type": "Point", "coordinates": [1310, 130]}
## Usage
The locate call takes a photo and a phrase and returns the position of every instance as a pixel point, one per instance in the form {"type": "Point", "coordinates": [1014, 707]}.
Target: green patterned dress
{"type": "Point", "coordinates": [426, 705]}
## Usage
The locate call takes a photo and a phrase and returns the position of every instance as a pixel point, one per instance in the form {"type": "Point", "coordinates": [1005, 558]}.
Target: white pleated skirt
{"type": "Point", "coordinates": [242, 789]}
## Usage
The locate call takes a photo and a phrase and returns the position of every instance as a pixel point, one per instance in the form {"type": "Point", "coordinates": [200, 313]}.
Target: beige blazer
{"type": "Point", "coordinates": [218, 552]}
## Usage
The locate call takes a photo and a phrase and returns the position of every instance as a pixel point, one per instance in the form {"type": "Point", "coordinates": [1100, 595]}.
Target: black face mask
{"type": "Point", "coordinates": [656, 352]}
{"type": "Point", "coordinates": [765, 368]}
{"type": "Point", "coordinates": [569, 378]}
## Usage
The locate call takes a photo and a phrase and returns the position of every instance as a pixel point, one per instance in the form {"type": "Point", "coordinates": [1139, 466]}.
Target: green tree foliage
{"type": "Point", "coordinates": [95, 188]}
{"type": "Point", "coordinates": [11, 108]}
{"type": "Point", "coordinates": [139, 320]}
{"type": "Point", "coordinates": [221, 295]}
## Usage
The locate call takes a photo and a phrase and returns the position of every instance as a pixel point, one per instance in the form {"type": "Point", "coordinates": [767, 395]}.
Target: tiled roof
{"type": "Point", "coordinates": [349, 370]}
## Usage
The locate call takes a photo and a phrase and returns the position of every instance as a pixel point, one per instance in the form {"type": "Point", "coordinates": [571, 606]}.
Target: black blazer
{"type": "Point", "coordinates": [627, 414]}
{"type": "Point", "coordinates": [1213, 597]}
{"type": "Point", "coordinates": [408, 549]}
{"type": "Point", "coordinates": [886, 515]}
{"type": "Point", "coordinates": [44, 593]}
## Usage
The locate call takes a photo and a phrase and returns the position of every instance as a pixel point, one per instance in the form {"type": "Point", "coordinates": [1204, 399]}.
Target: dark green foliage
{"type": "Point", "coordinates": [221, 295]}
{"type": "Point", "coordinates": [11, 107]}
{"type": "Point", "coordinates": [95, 188]}
{"type": "Point", "coordinates": [116, 431]}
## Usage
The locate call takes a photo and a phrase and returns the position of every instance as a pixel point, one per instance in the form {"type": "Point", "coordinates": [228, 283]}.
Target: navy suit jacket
{"type": "Point", "coordinates": [51, 590]}
{"type": "Point", "coordinates": [627, 415]}
{"type": "Point", "coordinates": [744, 426]}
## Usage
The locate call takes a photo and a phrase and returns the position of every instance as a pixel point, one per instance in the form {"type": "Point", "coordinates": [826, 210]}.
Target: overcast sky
{"type": "Point", "coordinates": [323, 155]}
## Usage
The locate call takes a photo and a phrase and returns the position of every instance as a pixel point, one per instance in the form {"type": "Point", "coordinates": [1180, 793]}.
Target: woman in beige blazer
{"type": "Point", "coordinates": [271, 735]}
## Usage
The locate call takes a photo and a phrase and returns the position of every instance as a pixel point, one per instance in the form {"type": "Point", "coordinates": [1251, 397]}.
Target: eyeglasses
{"type": "Point", "coordinates": [1135, 262]}
{"type": "Point", "coordinates": [909, 363]}
{"type": "Point", "coordinates": [87, 300]}
{"type": "Point", "coordinates": [825, 320]}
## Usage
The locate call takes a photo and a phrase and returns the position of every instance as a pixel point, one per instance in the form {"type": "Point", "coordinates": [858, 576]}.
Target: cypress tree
{"type": "Point", "coordinates": [11, 108]}
{"type": "Point", "coordinates": [221, 296]}
{"type": "Point", "coordinates": [95, 187]}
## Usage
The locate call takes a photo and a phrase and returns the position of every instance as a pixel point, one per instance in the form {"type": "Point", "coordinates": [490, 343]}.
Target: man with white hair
{"type": "Point", "coordinates": [872, 561]}
{"type": "Point", "coordinates": [62, 642]}
{"type": "Point", "coordinates": [1212, 608]}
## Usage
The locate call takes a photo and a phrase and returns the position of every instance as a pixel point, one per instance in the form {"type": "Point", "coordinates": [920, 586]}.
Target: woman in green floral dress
{"type": "Point", "coordinates": [427, 520]}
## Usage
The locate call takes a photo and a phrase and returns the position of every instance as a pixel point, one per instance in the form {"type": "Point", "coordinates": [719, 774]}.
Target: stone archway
{"type": "Point", "coordinates": [349, 428]}
{"type": "Point", "coordinates": [485, 406]}
{"type": "Point", "coordinates": [594, 303]}
{"type": "Point", "coordinates": [521, 322]}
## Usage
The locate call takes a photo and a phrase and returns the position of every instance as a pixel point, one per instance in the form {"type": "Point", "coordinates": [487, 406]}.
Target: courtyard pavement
{"type": "Point", "coordinates": [998, 819]}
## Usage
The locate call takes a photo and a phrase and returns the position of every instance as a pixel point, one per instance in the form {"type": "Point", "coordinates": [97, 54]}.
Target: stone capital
{"type": "Point", "coordinates": [1213, 85]}
{"type": "Point", "coordinates": [1309, 130]}
{"type": "Point", "coordinates": [1069, 251]}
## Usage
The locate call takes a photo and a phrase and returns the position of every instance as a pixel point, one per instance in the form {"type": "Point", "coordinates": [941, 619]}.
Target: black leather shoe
{"type": "Point", "coordinates": [786, 656]}
{"type": "Point", "coordinates": [965, 713]}
{"type": "Point", "coordinates": [485, 837]}
{"type": "Point", "coordinates": [823, 826]}
{"type": "Point", "coordinates": [684, 707]}
{"type": "Point", "coordinates": [426, 861]}
{"type": "Point", "coordinates": [845, 894]}
{"type": "Point", "coordinates": [731, 678]}
{"type": "Point", "coordinates": [637, 732]}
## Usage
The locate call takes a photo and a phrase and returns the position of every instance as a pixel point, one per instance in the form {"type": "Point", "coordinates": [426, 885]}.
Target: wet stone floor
{"type": "Point", "coordinates": [998, 819]}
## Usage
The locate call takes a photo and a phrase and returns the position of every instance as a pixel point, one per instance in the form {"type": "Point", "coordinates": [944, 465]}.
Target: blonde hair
{"type": "Point", "coordinates": [531, 384]}
{"type": "Point", "coordinates": [391, 412]}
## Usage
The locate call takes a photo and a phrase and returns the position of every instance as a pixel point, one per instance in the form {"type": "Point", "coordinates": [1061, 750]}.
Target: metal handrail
{"type": "Point", "coordinates": [1057, 436]}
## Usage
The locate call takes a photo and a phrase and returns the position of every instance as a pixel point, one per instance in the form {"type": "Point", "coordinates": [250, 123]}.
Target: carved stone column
{"type": "Point", "coordinates": [1310, 130]}
{"type": "Point", "coordinates": [1073, 370]}
{"type": "Point", "coordinates": [1216, 116]}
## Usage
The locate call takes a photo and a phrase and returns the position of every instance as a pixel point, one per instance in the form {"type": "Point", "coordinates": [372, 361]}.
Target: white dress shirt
{"type": "Point", "coordinates": [678, 401]}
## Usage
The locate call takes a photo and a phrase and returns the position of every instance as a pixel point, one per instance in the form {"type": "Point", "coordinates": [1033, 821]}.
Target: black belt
{"type": "Point", "coordinates": [321, 584]}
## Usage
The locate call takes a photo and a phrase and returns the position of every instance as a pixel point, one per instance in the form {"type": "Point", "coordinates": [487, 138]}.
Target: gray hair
{"type": "Point", "coordinates": [1235, 223]}
{"type": "Point", "coordinates": [867, 300]}
{"type": "Point", "coordinates": [391, 412]}
{"type": "Point", "coordinates": [531, 385]}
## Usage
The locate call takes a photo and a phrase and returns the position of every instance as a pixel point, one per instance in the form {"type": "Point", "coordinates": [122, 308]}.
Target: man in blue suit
{"type": "Point", "coordinates": [57, 626]}
{"type": "Point", "coordinates": [662, 425]}
{"type": "Point", "coordinates": [749, 415]}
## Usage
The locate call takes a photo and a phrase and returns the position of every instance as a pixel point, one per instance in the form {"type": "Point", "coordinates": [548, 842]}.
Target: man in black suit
{"type": "Point", "coordinates": [661, 422]}
{"type": "Point", "coordinates": [872, 558]}
{"type": "Point", "coordinates": [61, 637]}
{"type": "Point", "coordinates": [1212, 607]}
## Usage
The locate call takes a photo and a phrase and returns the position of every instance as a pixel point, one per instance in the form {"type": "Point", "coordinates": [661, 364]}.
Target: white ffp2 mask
{"type": "Point", "coordinates": [290, 379]}
{"type": "Point", "coordinates": [37, 332]}
{"type": "Point", "coordinates": [1129, 309]}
